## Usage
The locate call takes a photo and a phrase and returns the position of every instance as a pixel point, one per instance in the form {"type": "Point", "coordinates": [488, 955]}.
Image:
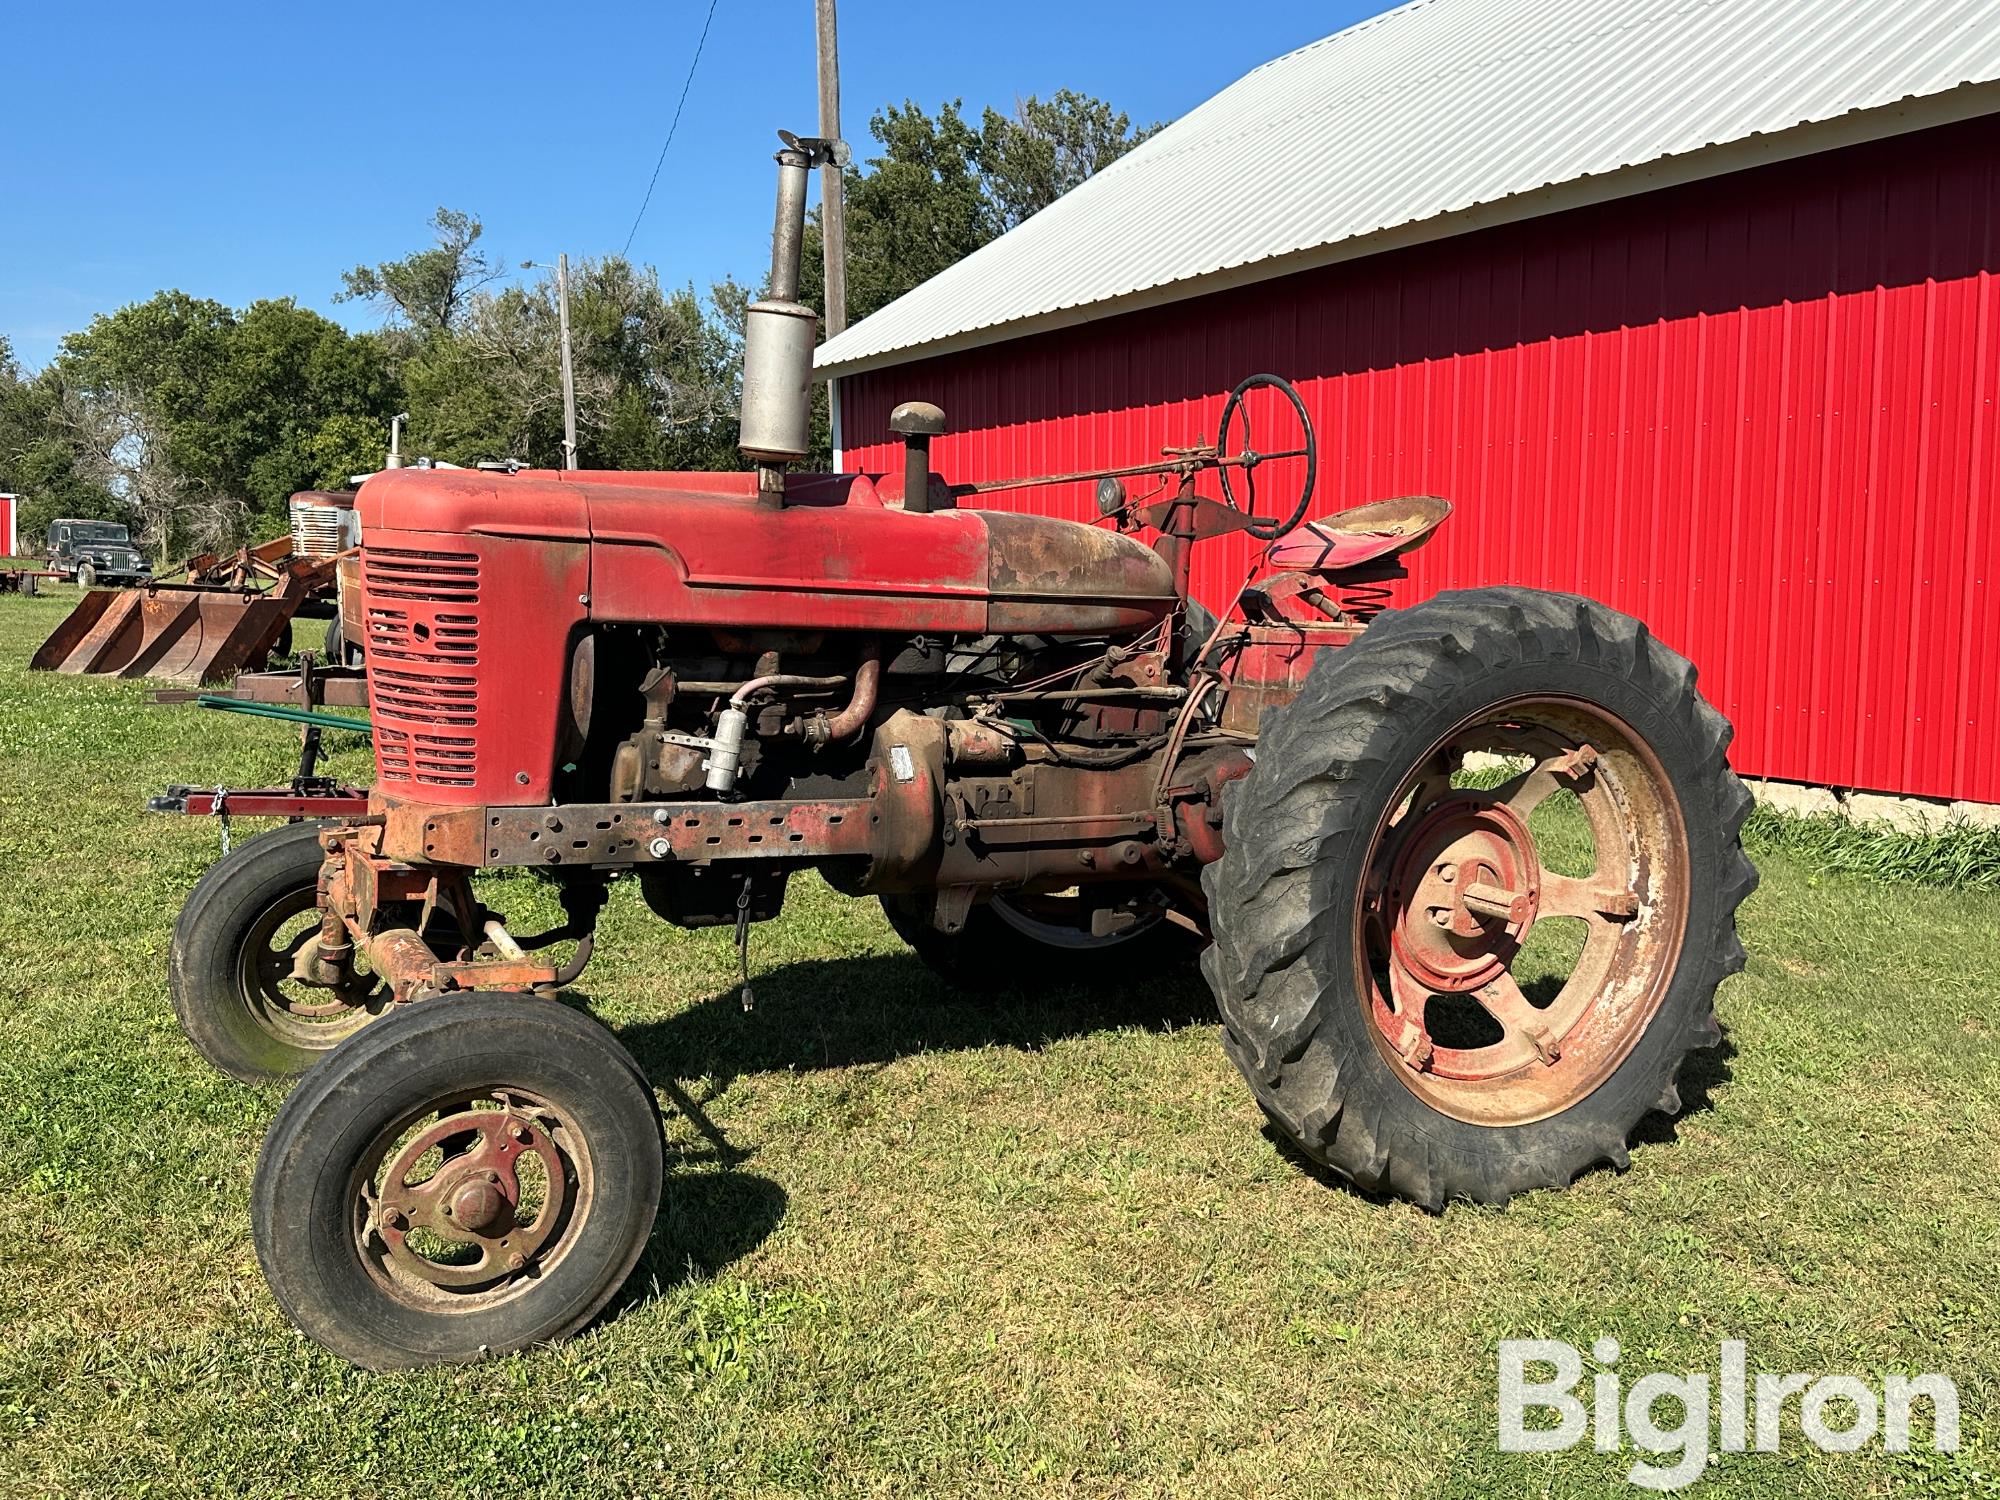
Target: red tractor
{"type": "Point", "coordinates": [1024, 739]}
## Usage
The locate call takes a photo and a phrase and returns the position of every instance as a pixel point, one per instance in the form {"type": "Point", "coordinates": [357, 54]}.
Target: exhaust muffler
{"type": "Point", "coordinates": [779, 331]}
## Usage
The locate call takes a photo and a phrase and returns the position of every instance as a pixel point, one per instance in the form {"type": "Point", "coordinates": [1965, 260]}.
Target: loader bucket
{"type": "Point", "coordinates": [176, 635]}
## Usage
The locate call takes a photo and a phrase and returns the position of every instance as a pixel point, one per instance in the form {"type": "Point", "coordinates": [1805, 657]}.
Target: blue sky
{"type": "Point", "coordinates": [246, 151]}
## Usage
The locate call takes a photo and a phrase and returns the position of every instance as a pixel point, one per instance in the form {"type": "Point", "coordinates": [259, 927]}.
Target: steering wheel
{"type": "Point", "coordinates": [1264, 531]}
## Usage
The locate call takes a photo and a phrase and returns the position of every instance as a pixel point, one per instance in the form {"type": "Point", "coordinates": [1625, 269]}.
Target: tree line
{"type": "Point", "coordinates": [193, 422]}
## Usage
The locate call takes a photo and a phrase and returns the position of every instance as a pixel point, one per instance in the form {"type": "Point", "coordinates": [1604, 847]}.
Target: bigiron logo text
{"type": "Point", "coordinates": [1678, 1420]}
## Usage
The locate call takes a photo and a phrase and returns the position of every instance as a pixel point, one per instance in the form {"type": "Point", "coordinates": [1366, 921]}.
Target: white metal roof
{"type": "Point", "coordinates": [1440, 116]}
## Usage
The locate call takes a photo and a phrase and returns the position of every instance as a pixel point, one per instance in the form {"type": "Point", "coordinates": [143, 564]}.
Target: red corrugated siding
{"type": "Point", "coordinates": [1757, 412]}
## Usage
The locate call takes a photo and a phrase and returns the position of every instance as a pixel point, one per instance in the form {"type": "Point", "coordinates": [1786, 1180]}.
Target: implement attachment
{"type": "Point", "coordinates": [206, 630]}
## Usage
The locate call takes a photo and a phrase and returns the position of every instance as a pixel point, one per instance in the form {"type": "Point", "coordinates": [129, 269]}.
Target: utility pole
{"type": "Point", "coordinates": [561, 268]}
{"type": "Point", "coordinates": [568, 373]}
{"type": "Point", "coordinates": [832, 211]}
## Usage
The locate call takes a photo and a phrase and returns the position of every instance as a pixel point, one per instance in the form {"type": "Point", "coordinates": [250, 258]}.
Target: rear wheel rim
{"type": "Point", "coordinates": [1469, 993]}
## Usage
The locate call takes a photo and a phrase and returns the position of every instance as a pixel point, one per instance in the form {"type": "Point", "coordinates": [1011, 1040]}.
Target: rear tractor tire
{"type": "Point", "coordinates": [470, 1176]}
{"type": "Point", "coordinates": [1442, 987]}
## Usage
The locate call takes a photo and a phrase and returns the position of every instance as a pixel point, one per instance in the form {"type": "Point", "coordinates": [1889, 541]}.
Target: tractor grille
{"type": "Point", "coordinates": [427, 577]}
{"type": "Point", "coordinates": [422, 619]}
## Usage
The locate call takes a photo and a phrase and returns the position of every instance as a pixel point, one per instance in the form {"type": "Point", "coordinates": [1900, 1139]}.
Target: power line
{"type": "Point", "coordinates": [676, 125]}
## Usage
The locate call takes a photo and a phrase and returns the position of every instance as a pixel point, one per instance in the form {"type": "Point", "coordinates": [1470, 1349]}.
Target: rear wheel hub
{"type": "Point", "coordinates": [1463, 893]}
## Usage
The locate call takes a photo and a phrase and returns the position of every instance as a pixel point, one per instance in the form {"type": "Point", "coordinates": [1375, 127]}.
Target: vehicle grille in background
{"type": "Point", "coordinates": [321, 530]}
{"type": "Point", "coordinates": [422, 645]}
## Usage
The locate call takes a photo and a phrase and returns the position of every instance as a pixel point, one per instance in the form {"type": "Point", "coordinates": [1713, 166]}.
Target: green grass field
{"type": "Point", "coordinates": [915, 1244]}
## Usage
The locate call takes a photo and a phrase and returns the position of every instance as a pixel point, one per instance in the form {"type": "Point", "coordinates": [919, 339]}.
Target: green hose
{"type": "Point", "coordinates": [286, 712]}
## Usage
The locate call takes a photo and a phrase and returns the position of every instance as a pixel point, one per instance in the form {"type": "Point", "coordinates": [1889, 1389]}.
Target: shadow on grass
{"type": "Point", "coordinates": [1701, 1074]}
{"type": "Point", "coordinates": [832, 1013]}
{"type": "Point", "coordinates": [870, 1011]}
{"type": "Point", "coordinates": [853, 1012]}
{"type": "Point", "coordinates": [707, 1222]}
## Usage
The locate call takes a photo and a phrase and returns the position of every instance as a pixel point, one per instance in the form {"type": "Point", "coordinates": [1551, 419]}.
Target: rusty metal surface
{"type": "Point", "coordinates": [1269, 666]}
{"type": "Point", "coordinates": [632, 833]}
{"type": "Point", "coordinates": [24, 580]}
{"type": "Point", "coordinates": [333, 687]}
{"type": "Point", "coordinates": [375, 881]}
{"type": "Point", "coordinates": [498, 974]}
{"type": "Point", "coordinates": [174, 635]}
{"type": "Point", "coordinates": [473, 1199]}
{"type": "Point", "coordinates": [261, 802]}
{"type": "Point", "coordinates": [227, 616]}
{"type": "Point", "coordinates": [423, 832]}
{"type": "Point", "coordinates": [403, 960]}
{"type": "Point", "coordinates": [1363, 534]}
{"type": "Point", "coordinates": [1457, 883]}
{"type": "Point", "coordinates": [1059, 578]}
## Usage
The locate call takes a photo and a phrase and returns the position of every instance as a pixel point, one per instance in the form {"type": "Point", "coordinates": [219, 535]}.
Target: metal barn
{"type": "Point", "coordinates": [1689, 307]}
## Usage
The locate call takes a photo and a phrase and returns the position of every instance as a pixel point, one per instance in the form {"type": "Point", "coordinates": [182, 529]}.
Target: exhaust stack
{"type": "Point", "coordinates": [779, 331]}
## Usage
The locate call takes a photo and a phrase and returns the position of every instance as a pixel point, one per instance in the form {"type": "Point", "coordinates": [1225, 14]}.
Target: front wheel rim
{"type": "Point", "coordinates": [470, 1199]}
{"type": "Point", "coordinates": [302, 1015]}
{"type": "Point", "coordinates": [1457, 884]}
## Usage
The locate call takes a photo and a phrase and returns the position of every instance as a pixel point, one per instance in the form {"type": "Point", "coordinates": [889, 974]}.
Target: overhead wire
{"type": "Point", "coordinates": [676, 125]}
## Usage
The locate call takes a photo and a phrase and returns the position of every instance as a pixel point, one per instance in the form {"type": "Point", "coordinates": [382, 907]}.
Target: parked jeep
{"type": "Point", "coordinates": [94, 552]}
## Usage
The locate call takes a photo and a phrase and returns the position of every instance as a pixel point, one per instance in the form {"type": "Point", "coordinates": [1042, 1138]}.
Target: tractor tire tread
{"type": "Point", "coordinates": [1324, 762]}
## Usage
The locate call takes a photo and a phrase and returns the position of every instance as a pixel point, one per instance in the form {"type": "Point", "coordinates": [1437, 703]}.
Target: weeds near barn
{"type": "Point", "coordinates": [917, 1244]}
{"type": "Point", "coordinates": [1954, 855]}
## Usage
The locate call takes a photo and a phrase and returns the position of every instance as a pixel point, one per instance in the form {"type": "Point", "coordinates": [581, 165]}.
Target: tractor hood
{"type": "Point", "coordinates": [841, 553]}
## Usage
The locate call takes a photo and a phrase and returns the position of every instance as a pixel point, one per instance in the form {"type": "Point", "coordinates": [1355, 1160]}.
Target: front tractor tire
{"type": "Point", "coordinates": [466, 1178]}
{"type": "Point", "coordinates": [230, 964]}
{"type": "Point", "coordinates": [1444, 988]}
{"type": "Point", "coordinates": [229, 970]}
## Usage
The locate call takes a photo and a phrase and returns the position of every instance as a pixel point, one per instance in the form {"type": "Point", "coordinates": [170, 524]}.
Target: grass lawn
{"type": "Point", "coordinates": [917, 1244]}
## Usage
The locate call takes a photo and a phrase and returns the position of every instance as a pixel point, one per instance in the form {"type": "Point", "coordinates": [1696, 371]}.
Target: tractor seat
{"type": "Point", "coordinates": [1353, 538]}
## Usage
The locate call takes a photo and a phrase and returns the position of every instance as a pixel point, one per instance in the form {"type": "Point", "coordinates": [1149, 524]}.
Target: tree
{"type": "Point", "coordinates": [656, 379]}
{"type": "Point", "coordinates": [36, 462]}
{"type": "Point", "coordinates": [940, 189]}
{"type": "Point", "coordinates": [133, 404]}
{"type": "Point", "coordinates": [201, 421]}
{"type": "Point", "coordinates": [428, 291]}
{"type": "Point", "coordinates": [1046, 148]}
{"type": "Point", "coordinates": [299, 403]}
{"type": "Point", "coordinates": [119, 444]}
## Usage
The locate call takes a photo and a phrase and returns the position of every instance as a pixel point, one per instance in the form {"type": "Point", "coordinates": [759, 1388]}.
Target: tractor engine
{"type": "Point", "coordinates": [575, 649]}
{"type": "Point", "coordinates": [713, 680]}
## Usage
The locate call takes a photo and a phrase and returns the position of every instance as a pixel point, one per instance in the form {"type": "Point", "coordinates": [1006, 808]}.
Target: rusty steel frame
{"type": "Point", "coordinates": [345, 802]}
{"type": "Point", "coordinates": [206, 630]}
{"type": "Point", "coordinates": [629, 833]}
